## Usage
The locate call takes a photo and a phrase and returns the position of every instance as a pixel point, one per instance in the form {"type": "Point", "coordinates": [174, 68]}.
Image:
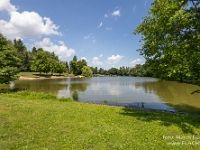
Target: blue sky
{"type": "Point", "coordinates": [99, 31]}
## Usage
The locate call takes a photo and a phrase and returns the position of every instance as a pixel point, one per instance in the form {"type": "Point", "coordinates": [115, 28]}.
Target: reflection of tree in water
{"type": "Point", "coordinates": [175, 94]}
{"type": "Point", "coordinates": [78, 87]}
{"type": "Point", "coordinates": [47, 86]}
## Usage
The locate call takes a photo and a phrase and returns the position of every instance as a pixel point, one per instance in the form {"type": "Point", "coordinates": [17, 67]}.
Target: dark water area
{"type": "Point", "coordinates": [141, 92]}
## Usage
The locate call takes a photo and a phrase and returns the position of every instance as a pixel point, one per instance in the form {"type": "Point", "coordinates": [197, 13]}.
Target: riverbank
{"type": "Point", "coordinates": [41, 121]}
{"type": "Point", "coordinates": [47, 77]}
{"type": "Point", "coordinates": [36, 76]}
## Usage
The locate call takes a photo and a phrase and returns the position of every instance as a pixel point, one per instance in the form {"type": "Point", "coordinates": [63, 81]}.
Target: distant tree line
{"type": "Point", "coordinates": [15, 58]}
{"type": "Point", "coordinates": [139, 71]}
{"type": "Point", "coordinates": [42, 61]}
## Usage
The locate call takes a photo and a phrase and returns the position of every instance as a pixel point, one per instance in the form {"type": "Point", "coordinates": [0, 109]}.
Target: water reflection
{"type": "Point", "coordinates": [128, 91]}
{"type": "Point", "coordinates": [46, 85]}
{"type": "Point", "coordinates": [175, 94]}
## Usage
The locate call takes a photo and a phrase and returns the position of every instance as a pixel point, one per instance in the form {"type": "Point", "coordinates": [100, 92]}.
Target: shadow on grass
{"type": "Point", "coordinates": [186, 122]}
{"type": "Point", "coordinates": [6, 90]}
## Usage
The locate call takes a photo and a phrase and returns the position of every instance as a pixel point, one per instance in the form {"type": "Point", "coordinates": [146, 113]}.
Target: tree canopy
{"type": "Point", "coordinates": [171, 39]}
{"type": "Point", "coordinates": [8, 62]}
{"type": "Point", "coordinates": [86, 71]}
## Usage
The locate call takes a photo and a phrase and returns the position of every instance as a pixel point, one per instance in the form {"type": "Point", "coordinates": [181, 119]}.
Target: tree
{"type": "Point", "coordinates": [113, 71]}
{"type": "Point", "coordinates": [67, 66]}
{"type": "Point", "coordinates": [171, 35]}
{"type": "Point", "coordinates": [34, 50]}
{"type": "Point", "coordinates": [53, 65]}
{"type": "Point", "coordinates": [40, 61]}
{"type": "Point", "coordinates": [21, 54]}
{"type": "Point", "coordinates": [75, 58]}
{"type": "Point", "coordinates": [8, 61]}
{"type": "Point", "coordinates": [76, 66]}
{"type": "Point", "coordinates": [73, 66]}
{"type": "Point", "coordinates": [101, 71]}
{"type": "Point", "coordinates": [86, 71]}
{"type": "Point", "coordinates": [61, 68]}
{"type": "Point", "coordinates": [79, 65]}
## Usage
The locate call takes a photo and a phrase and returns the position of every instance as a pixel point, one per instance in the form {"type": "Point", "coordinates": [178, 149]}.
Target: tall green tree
{"type": "Point", "coordinates": [80, 64]}
{"type": "Point", "coordinates": [170, 36]}
{"type": "Point", "coordinates": [101, 71]}
{"type": "Point", "coordinates": [8, 61]}
{"type": "Point", "coordinates": [40, 61]}
{"type": "Point", "coordinates": [21, 54]}
{"type": "Point", "coordinates": [77, 65]}
{"type": "Point", "coordinates": [67, 67]}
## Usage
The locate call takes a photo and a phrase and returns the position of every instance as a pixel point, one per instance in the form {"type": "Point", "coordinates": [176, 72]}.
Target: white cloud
{"type": "Point", "coordinates": [94, 41]}
{"type": "Point", "coordinates": [95, 61]}
{"type": "Point", "coordinates": [109, 29]}
{"type": "Point", "coordinates": [116, 13]}
{"type": "Point", "coordinates": [101, 55]}
{"type": "Point", "coordinates": [88, 36]}
{"type": "Point", "coordinates": [135, 62]}
{"type": "Point", "coordinates": [61, 50]}
{"type": "Point", "coordinates": [106, 15]}
{"type": "Point", "coordinates": [114, 59]}
{"type": "Point", "coordinates": [100, 25]}
{"type": "Point", "coordinates": [25, 24]}
{"type": "Point", "coordinates": [113, 90]}
{"type": "Point", "coordinates": [6, 5]}
{"type": "Point", "coordinates": [84, 59]}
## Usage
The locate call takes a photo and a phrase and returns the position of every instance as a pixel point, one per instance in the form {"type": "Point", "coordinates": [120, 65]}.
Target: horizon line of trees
{"type": "Point", "coordinates": [43, 61]}
{"type": "Point", "coordinates": [137, 71]}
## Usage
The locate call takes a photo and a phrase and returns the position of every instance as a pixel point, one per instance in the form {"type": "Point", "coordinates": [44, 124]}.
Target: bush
{"type": "Point", "coordinates": [75, 96]}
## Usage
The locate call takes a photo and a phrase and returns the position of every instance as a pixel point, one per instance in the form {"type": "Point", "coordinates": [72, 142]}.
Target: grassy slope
{"type": "Point", "coordinates": [27, 122]}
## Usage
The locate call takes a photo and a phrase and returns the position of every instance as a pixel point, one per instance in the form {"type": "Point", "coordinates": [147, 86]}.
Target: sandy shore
{"type": "Point", "coordinates": [47, 77]}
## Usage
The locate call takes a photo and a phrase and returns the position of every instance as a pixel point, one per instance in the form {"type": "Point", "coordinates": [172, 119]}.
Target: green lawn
{"type": "Point", "coordinates": [39, 121]}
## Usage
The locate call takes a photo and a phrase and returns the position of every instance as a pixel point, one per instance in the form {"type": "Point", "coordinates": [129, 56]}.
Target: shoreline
{"type": "Point", "coordinates": [47, 77]}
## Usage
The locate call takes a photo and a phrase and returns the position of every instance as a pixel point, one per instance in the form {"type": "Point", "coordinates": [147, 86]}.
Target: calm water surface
{"type": "Point", "coordinates": [127, 91]}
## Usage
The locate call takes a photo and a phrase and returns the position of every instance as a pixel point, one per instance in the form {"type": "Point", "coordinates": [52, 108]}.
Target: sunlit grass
{"type": "Point", "coordinates": [30, 120]}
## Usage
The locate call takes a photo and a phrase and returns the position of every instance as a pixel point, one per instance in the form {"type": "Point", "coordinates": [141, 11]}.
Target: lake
{"type": "Point", "coordinates": [126, 91]}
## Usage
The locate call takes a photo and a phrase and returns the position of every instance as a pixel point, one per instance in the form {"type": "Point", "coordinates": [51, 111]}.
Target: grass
{"type": "Point", "coordinates": [30, 120]}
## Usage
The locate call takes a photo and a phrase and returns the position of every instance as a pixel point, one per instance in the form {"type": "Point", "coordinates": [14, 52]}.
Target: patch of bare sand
{"type": "Point", "coordinates": [47, 77]}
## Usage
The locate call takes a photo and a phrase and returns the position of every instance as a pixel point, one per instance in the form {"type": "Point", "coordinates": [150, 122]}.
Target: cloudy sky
{"type": "Point", "coordinates": [99, 31]}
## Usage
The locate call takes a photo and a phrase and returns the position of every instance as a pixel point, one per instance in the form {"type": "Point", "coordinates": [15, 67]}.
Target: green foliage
{"type": "Point", "coordinates": [8, 61]}
{"type": "Point", "coordinates": [67, 67]}
{"type": "Point", "coordinates": [86, 71]}
{"type": "Point", "coordinates": [44, 61]}
{"type": "Point", "coordinates": [101, 71]}
{"type": "Point", "coordinates": [61, 68]}
{"type": "Point", "coordinates": [40, 62]}
{"type": "Point", "coordinates": [75, 96]}
{"type": "Point", "coordinates": [76, 66]}
{"type": "Point", "coordinates": [32, 95]}
{"type": "Point", "coordinates": [36, 95]}
{"type": "Point", "coordinates": [63, 99]}
{"type": "Point", "coordinates": [138, 70]}
{"type": "Point", "coordinates": [113, 71]}
{"type": "Point", "coordinates": [171, 35]}
{"type": "Point", "coordinates": [21, 54]}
